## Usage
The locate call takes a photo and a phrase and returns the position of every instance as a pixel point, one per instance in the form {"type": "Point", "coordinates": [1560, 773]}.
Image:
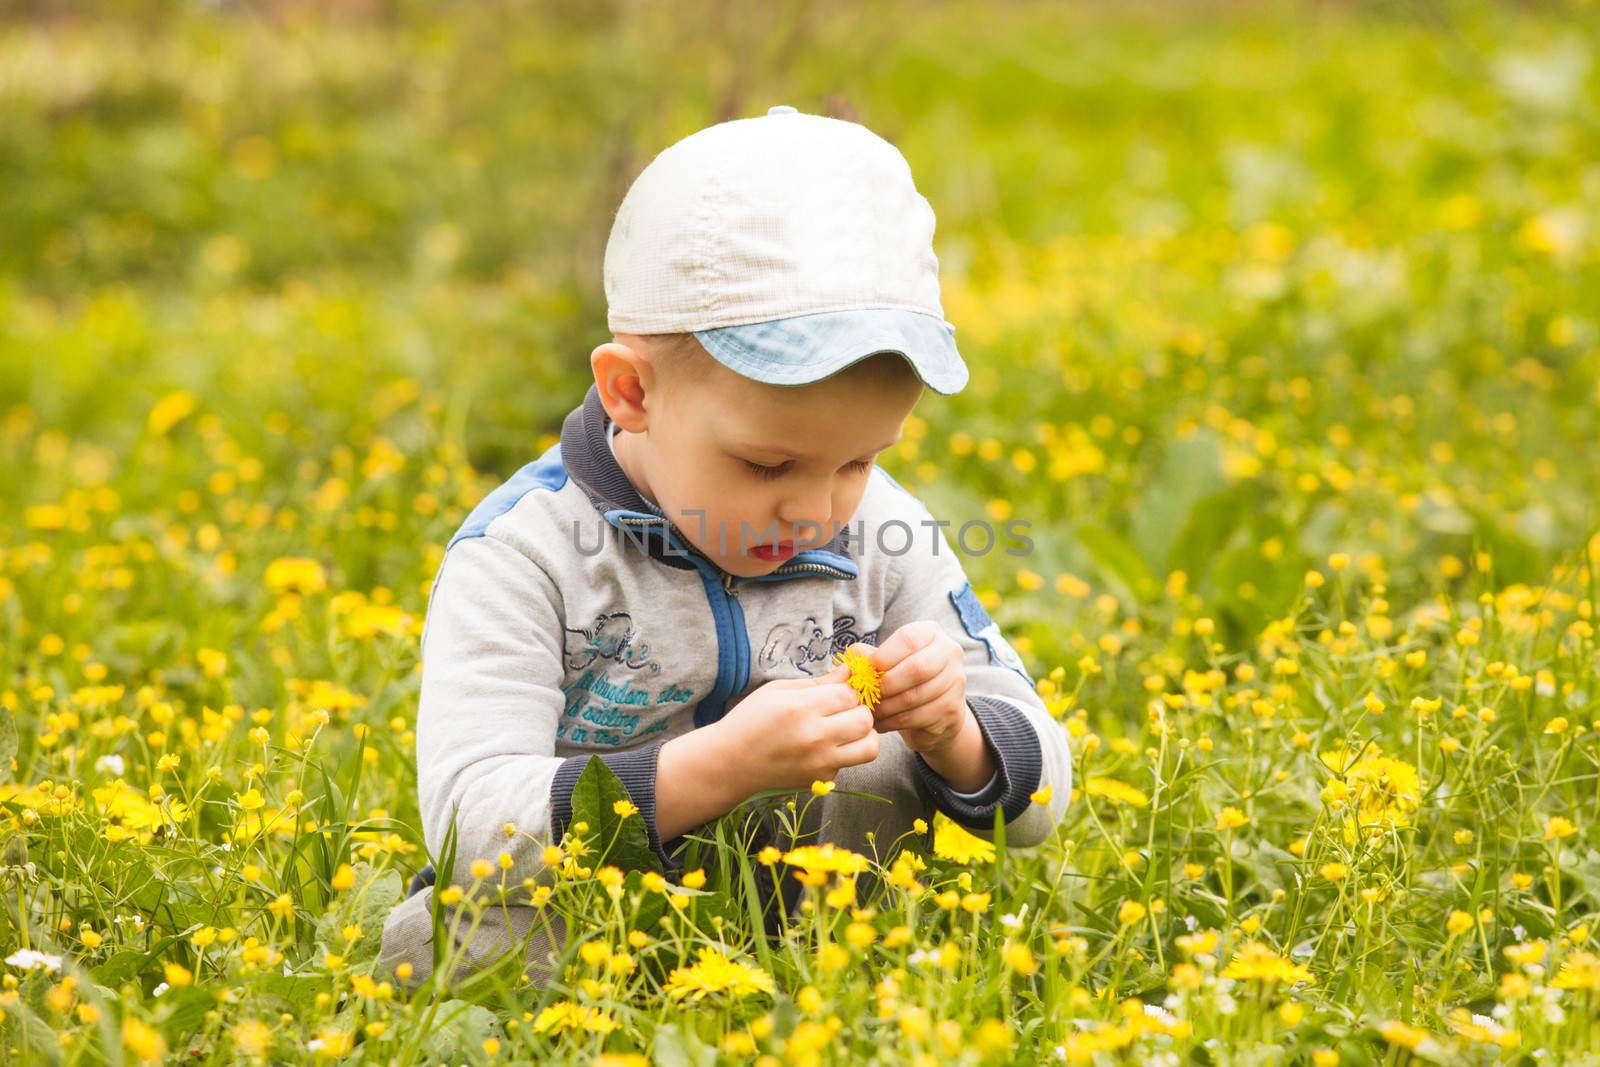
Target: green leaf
{"type": "Point", "coordinates": [460, 1032]}
{"type": "Point", "coordinates": [1206, 529]}
{"type": "Point", "coordinates": [675, 1048]}
{"type": "Point", "coordinates": [8, 743]}
{"type": "Point", "coordinates": [366, 904]}
{"type": "Point", "coordinates": [622, 842]}
{"type": "Point", "coordinates": [1118, 563]}
{"type": "Point", "coordinates": [1190, 471]}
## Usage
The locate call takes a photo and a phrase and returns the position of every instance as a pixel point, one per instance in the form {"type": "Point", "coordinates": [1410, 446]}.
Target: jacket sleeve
{"type": "Point", "coordinates": [490, 703]}
{"type": "Point", "coordinates": [1029, 747]}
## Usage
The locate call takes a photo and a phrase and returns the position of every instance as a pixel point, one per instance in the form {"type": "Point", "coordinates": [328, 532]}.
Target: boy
{"type": "Point", "coordinates": [668, 585]}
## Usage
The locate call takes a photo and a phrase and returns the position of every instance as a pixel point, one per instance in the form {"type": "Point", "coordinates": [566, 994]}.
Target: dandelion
{"type": "Point", "coordinates": [1255, 962]}
{"type": "Point", "coordinates": [564, 1015]}
{"type": "Point", "coordinates": [1116, 791]}
{"type": "Point", "coordinates": [817, 862]}
{"type": "Point", "coordinates": [864, 677]}
{"type": "Point", "coordinates": [1581, 970]}
{"type": "Point", "coordinates": [716, 973]}
{"type": "Point", "coordinates": [952, 842]}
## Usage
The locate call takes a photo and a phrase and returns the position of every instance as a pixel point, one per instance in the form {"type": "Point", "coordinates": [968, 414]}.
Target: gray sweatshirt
{"type": "Point", "coordinates": [570, 618]}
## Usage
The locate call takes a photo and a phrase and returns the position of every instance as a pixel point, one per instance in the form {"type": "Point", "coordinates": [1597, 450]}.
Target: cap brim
{"type": "Point", "coordinates": [803, 349]}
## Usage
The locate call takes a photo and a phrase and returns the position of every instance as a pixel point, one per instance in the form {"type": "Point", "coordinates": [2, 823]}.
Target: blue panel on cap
{"type": "Point", "coordinates": [781, 109]}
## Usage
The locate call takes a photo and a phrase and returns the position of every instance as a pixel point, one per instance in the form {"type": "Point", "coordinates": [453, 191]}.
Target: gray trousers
{"type": "Point", "coordinates": [862, 824]}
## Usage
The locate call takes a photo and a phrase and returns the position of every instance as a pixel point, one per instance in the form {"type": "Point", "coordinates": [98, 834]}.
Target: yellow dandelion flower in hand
{"type": "Point", "coordinates": [864, 677]}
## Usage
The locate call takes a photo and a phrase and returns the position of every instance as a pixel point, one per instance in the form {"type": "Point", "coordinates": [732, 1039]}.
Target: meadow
{"type": "Point", "coordinates": [1279, 344]}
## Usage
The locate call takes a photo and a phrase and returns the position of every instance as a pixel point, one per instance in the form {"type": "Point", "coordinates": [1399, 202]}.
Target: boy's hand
{"type": "Point", "coordinates": [794, 731]}
{"type": "Point", "coordinates": [924, 687]}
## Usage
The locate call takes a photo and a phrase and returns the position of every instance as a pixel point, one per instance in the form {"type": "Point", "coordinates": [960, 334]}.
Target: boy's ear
{"type": "Point", "coordinates": [625, 379]}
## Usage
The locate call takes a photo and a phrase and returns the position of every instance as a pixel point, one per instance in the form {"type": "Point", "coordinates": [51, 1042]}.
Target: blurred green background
{"type": "Point", "coordinates": [1241, 284]}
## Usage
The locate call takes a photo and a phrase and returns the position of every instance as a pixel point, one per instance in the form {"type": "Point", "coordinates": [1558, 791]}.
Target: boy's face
{"type": "Point", "coordinates": [773, 469]}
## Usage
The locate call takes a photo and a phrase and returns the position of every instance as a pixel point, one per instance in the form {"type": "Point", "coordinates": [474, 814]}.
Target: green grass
{"type": "Point", "coordinates": [1249, 293]}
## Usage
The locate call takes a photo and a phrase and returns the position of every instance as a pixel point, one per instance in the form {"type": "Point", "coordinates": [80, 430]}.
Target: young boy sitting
{"type": "Point", "coordinates": [668, 586]}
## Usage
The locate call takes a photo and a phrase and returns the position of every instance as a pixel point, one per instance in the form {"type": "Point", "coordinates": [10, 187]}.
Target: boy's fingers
{"type": "Point", "coordinates": [835, 697]}
{"type": "Point", "coordinates": [856, 752]}
{"type": "Point", "coordinates": [920, 666]}
{"type": "Point", "coordinates": [903, 642]}
{"type": "Point", "coordinates": [922, 693]}
{"type": "Point", "coordinates": [845, 727]}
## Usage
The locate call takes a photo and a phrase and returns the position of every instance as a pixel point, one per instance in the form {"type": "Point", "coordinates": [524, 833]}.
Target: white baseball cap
{"type": "Point", "coordinates": [791, 246]}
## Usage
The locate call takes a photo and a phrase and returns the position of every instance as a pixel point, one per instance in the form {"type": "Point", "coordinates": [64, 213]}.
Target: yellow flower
{"type": "Point", "coordinates": [716, 973]}
{"type": "Point", "coordinates": [1334, 871]}
{"type": "Point", "coordinates": [177, 975]}
{"type": "Point", "coordinates": [1459, 922]}
{"type": "Point", "coordinates": [1406, 1037]}
{"type": "Point", "coordinates": [169, 411]}
{"type": "Point", "coordinates": [1116, 792]}
{"type": "Point", "coordinates": [1042, 795]}
{"type": "Point", "coordinates": [695, 879]}
{"type": "Point", "coordinates": [1231, 819]}
{"type": "Point", "coordinates": [1255, 962]}
{"type": "Point", "coordinates": [344, 878]}
{"type": "Point", "coordinates": [864, 677]}
{"type": "Point", "coordinates": [1019, 957]}
{"type": "Point", "coordinates": [1386, 791]}
{"type": "Point", "coordinates": [819, 861]}
{"type": "Point", "coordinates": [481, 869]}
{"type": "Point", "coordinates": [1581, 970]}
{"type": "Point", "coordinates": [821, 789]}
{"type": "Point", "coordinates": [295, 574]}
{"type": "Point", "coordinates": [249, 800]}
{"type": "Point", "coordinates": [1130, 911]}
{"type": "Point", "coordinates": [1557, 827]}
{"type": "Point", "coordinates": [143, 1040]}
{"type": "Point", "coordinates": [625, 808]}
{"type": "Point", "coordinates": [564, 1015]}
{"type": "Point", "coordinates": [952, 842]}
{"type": "Point", "coordinates": [253, 1037]}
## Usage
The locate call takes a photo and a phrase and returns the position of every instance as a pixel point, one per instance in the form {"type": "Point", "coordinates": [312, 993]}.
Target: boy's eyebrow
{"type": "Point", "coordinates": [796, 455]}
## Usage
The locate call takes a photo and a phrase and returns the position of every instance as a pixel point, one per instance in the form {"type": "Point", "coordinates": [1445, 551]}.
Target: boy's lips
{"type": "Point", "coordinates": [782, 550]}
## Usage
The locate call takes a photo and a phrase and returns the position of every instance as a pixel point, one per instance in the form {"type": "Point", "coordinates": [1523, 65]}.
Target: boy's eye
{"type": "Point", "coordinates": [769, 473]}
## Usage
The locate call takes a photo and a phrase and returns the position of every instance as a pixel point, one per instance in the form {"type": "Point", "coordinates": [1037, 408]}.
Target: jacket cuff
{"type": "Point", "coordinates": [637, 769]}
{"type": "Point", "coordinates": [1019, 759]}
{"type": "Point", "coordinates": [990, 790]}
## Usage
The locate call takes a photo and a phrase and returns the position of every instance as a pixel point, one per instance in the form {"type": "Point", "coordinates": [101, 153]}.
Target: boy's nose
{"type": "Point", "coordinates": [817, 509]}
